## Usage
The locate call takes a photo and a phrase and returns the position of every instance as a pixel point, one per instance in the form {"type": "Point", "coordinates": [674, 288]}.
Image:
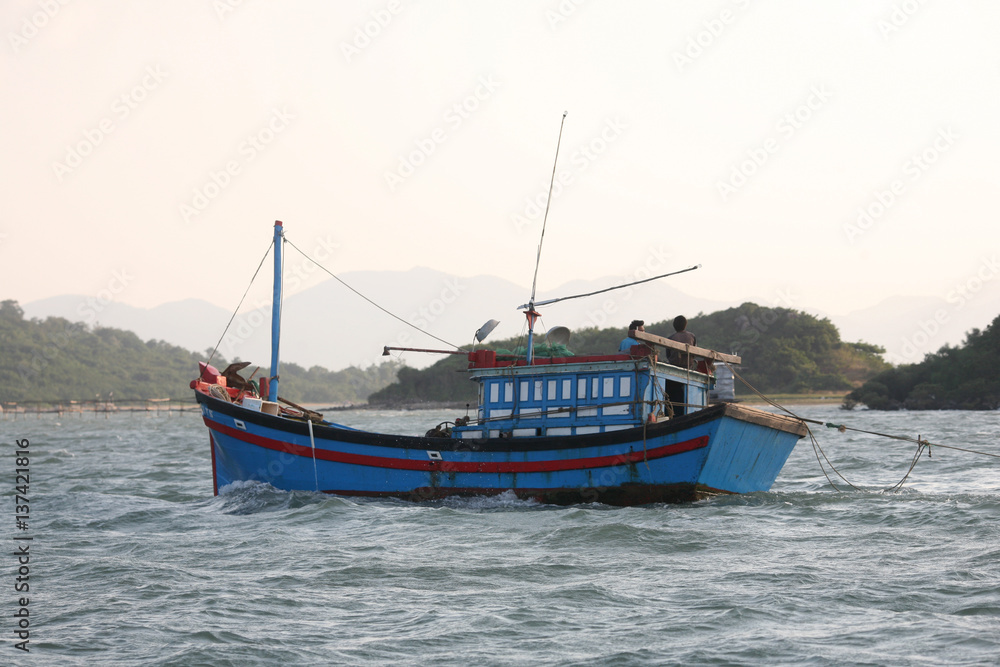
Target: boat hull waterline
{"type": "Point", "coordinates": [722, 449]}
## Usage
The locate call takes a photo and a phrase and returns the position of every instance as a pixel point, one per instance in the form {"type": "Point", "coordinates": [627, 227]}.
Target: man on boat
{"type": "Point", "coordinates": [629, 341]}
{"type": "Point", "coordinates": [682, 335]}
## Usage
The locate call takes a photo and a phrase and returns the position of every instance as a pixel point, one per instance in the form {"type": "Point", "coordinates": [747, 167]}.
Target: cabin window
{"type": "Point", "coordinates": [625, 386]}
{"type": "Point", "coordinates": [581, 388]}
{"type": "Point", "coordinates": [494, 392]}
{"type": "Point", "coordinates": [524, 390]}
{"type": "Point", "coordinates": [551, 393]}
{"type": "Point", "coordinates": [508, 392]}
{"type": "Point", "coordinates": [675, 394]}
{"type": "Point", "coordinates": [567, 388]}
{"type": "Point", "coordinates": [538, 390]}
{"type": "Point", "coordinates": [609, 387]}
{"type": "Point", "coordinates": [595, 388]}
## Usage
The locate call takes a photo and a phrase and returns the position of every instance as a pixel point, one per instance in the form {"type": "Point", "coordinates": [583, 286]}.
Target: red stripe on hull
{"type": "Point", "coordinates": [462, 466]}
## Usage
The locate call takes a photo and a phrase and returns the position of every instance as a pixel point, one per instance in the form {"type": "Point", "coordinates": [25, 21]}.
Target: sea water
{"type": "Point", "coordinates": [134, 561]}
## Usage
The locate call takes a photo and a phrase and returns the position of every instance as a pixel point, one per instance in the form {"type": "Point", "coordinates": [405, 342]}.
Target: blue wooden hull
{"type": "Point", "coordinates": [721, 449]}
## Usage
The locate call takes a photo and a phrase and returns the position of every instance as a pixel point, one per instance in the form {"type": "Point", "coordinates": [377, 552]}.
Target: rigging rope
{"type": "Point", "coordinates": [548, 302]}
{"type": "Point", "coordinates": [216, 349]}
{"type": "Point", "coordinates": [393, 315]}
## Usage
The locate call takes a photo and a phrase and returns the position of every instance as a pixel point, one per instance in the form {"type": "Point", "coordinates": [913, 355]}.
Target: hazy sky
{"type": "Point", "coordinates": [147, 147]}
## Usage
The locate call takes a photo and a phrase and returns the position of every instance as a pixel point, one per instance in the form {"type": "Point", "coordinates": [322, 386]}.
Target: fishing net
{"type": "Point", "coordinates": [541, 350]}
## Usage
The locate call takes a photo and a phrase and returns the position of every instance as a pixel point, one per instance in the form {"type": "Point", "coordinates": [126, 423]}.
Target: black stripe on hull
{"type": "Point", "coordinates": [526, 444]}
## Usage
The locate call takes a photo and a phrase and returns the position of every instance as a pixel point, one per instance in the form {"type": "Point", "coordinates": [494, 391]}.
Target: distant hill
{"type": "Point", "coordinates": [953, 378]}
{"type": "Point", "coordinates": [786, 350]}
{"type": "Point", "coordinates": [170, 322]}
{"type": "Point", "coordinates": [328, 325]}
{"type": "Point", "coordinates": [58, 360]}
{"type": "Point", "coordinates": [783, 351]}
{"type": "Point", "coordinates": [909, 327]}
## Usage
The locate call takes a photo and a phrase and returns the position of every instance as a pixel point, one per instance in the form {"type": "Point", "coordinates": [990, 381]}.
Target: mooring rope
{"type": "Point", "coordinates": [920, 442]}
{"type": "Point", "coordinates": [917, 440]}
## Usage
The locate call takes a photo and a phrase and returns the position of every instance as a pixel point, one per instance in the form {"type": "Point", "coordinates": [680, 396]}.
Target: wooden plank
{"type": "Point", "coordinates": [692, 349]}
{"type": "Point", "coordinates": [769, 419]}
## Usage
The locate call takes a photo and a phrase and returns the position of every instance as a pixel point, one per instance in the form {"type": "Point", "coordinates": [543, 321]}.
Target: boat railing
{"type": "Point", "coordinates": [490, 359]}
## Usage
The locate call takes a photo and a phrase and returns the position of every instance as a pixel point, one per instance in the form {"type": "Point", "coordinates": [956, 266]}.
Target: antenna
{"type": "Point", "coordinates": [530, 313]}
{"type": "Point", "coordinates": [548, 202]}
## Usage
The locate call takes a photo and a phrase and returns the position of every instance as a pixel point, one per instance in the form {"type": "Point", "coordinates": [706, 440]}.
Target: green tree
{"type": "Point", "coordinates": [55, 360]}
{"type": "Point", "coordinates": [963, 378]}
{"type": "Point", "coordinates": [783, 351]}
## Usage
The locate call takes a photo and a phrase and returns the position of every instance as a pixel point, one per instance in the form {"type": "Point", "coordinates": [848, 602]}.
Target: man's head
{"type": "Point", "coordinates": [636, 325]}
{"type": "Point", "coordinates": [680, 323]}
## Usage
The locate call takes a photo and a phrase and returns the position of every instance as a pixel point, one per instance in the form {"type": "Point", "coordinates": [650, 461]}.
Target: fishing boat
{"type": "Point", "coordinates": [628, 428]}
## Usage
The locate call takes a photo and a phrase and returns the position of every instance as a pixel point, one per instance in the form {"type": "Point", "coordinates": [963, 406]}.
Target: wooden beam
{"type": "Point", "coordinates": [681, 347]}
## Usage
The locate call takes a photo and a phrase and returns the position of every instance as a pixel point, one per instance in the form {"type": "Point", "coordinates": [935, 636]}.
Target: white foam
{"type": "Point", "coordinates": [504, 500]}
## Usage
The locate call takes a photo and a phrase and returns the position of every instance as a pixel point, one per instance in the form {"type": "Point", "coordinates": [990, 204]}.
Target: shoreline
{"type": "Point", "coordinates": [795, 399]}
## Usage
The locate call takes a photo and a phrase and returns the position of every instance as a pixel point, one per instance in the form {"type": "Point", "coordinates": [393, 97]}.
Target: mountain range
{"type": "Point", "coordinates": [329, 326]}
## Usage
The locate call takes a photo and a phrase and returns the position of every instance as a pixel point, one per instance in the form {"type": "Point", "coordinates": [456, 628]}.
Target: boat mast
{"type": "Point", "coordinates": [530, 313]}
{"type": "Point", "coordinates": [272, 394]}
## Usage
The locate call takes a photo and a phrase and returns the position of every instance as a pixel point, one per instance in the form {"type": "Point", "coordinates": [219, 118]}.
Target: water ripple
{"type": "Point", "coordinates": [142, 565]}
